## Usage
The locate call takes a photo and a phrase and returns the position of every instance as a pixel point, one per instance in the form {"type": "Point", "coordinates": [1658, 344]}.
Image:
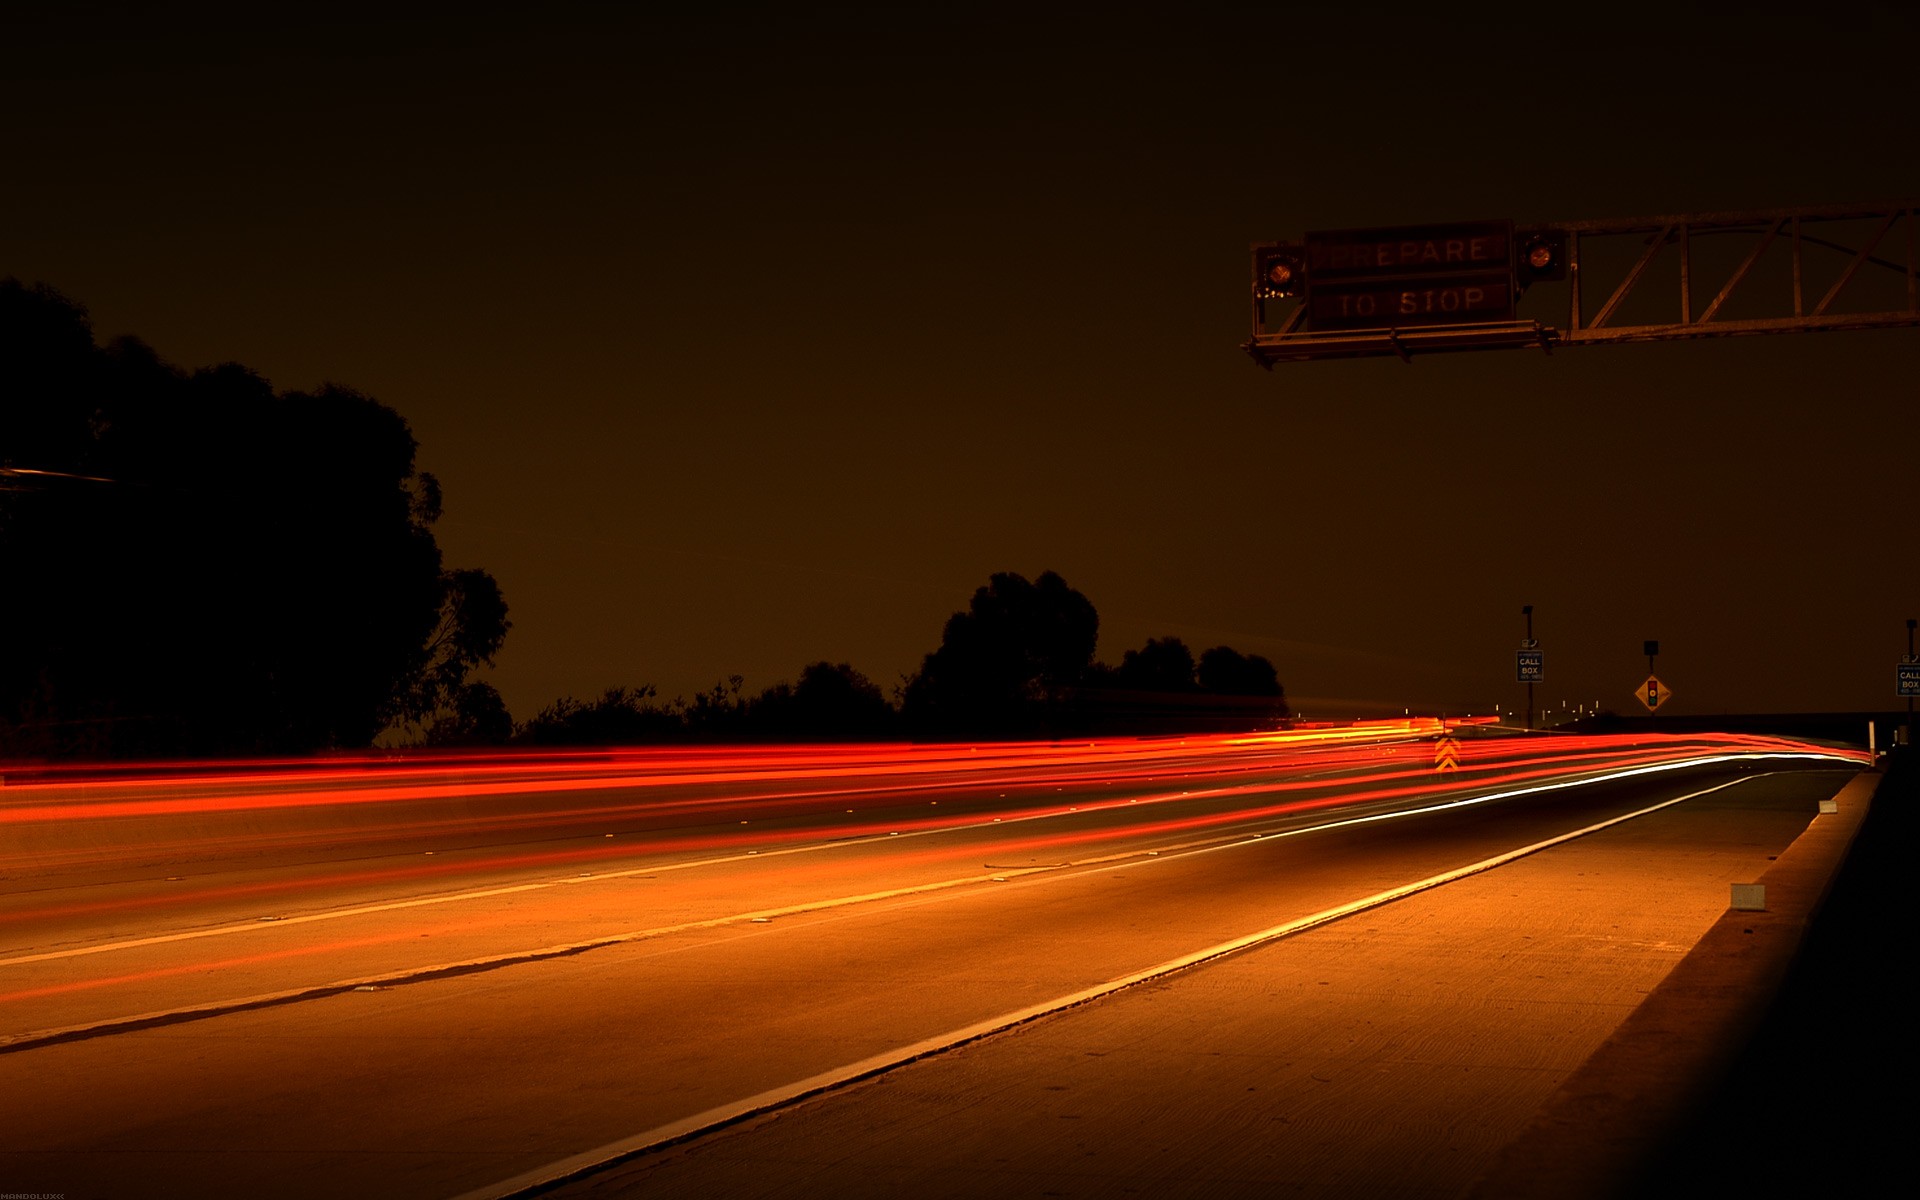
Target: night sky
{"type": "Point", "coordinates": [747, 342]}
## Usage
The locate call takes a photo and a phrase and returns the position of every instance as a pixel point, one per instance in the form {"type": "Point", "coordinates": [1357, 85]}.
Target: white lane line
{"type": "Point", "coordinates": [278, 923]}
{"type": "Point", "coordinates": [579, 1165]}
{"type": "Point", "coordinates": [38, 1037]}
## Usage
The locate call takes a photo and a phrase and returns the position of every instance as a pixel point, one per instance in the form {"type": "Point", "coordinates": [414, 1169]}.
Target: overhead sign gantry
{"type": "Point", "coordinates": [1409, 290]}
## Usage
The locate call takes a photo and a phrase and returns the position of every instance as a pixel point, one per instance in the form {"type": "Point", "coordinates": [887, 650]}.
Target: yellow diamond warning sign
{"type": "Point", "coordinates": [1653, 693]}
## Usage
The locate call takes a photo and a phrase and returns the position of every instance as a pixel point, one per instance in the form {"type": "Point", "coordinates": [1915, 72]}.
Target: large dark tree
{"type": "Point", "coordinates": [1160, 689]}
{"type": "Point", "coordinates": [475, 715]}
{"type": "Point", "coordinates": [198, 564]}
{"type": "Point", "coordinates": [832, 702]}
{"type": "Point", "coordinates": [1162, 665]}
{"type": "Point", "coordinates": [1228, 672]}
{"type": "Point", "coordinates": [1004, 665]}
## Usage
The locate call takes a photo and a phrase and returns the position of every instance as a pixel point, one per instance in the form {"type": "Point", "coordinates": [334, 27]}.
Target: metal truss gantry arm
{"type": "Point", "coordinates": [1649, 265]}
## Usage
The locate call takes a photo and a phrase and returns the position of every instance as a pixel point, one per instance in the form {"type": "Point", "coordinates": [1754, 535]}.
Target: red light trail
{"type": "Point", "coordinates": [111, 865]}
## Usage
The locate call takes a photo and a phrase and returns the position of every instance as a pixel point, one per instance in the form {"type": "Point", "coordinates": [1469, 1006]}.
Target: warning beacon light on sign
{"type": "Point", "coordinates": [1542, 257]}
{"type": "Point", "coordinates": [1282, 273]}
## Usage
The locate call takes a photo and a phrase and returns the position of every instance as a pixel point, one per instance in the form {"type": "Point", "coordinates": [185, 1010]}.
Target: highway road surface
{"type": "Point", "coordinates": [475, 976]}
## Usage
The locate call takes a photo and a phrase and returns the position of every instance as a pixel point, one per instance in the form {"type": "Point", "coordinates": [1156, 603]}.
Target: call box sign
{"type": "Point", "coordinates": [1531, 666]}
{"type": "Point", "coordinates": [1410, 275]}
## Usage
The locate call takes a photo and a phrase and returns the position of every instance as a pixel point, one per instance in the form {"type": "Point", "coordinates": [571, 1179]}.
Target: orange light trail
{"type": "Point", "coordinates": [523, 824]}
{"type": "Point", "coordinates": [673, 800]}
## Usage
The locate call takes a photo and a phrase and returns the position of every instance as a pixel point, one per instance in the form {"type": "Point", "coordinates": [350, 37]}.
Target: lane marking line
{"type": "Point", "coordinates": [687, 1128]}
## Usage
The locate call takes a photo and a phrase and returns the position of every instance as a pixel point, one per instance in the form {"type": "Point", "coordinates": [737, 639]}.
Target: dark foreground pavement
{"type": "Point", "coordinates": [1777, 1059]}
{"type": "Point", "coordinates": [1820, 1100]}
{"type": "Point", "coordinates": [1591, 1021]}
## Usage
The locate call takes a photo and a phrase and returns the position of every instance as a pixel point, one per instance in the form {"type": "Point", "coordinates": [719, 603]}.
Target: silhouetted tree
{"type": "Point", "coordinates": [1004, 664]}
{"type": "Point", "coordinates": [1159, 689]}
{"type": "Point", "coordinates": [831, 702]}
{"type": "Point", "coordinates": [1228, 672]}
{"type": "Point", "coordinates": [204, 565]}
{"type": "Point", "coordinates": [471, 628]}
{"type": "Point", "coordinates": [719, 714]}
{"type": "Point", "coordinates": [474, 715]}
{"type": "Point", "coordinates": [620, 716]}
{"type": "Point", "coordinates": [1162, 665]}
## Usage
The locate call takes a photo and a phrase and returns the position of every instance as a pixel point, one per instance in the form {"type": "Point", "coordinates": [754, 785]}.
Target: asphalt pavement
{"type": "Point", "coordinates": [1590, 1021]}
{"type": "Point", "coordinates": [1569, 1023]}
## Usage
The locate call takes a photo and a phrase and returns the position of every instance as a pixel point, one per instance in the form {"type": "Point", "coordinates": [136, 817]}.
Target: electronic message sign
{"type": "Point", "coordinates": [1409, 276]}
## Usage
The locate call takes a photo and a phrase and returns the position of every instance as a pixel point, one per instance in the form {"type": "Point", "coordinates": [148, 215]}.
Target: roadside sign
{"type": "Point", "coordinates": [1446, 753]}
{"type": "Point", "coordinates": [1653, 693]}
{"type": "Point", "coordinates": [1532, 666]}
{"type": "Point", "coordinates": [1906, 679]}
{"type": "Point", "coordinates": [1409, 275]}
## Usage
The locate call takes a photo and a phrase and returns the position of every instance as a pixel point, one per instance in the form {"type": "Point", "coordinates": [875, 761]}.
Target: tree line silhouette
{"type": "Point", "coordinates": [197, 564]}
{"type": "Point", "coordinates": [1016, 663]}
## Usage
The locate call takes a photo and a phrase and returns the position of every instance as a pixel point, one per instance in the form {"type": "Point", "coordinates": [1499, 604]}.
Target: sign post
{"type": "Point", "coordinates": [1530, 665]}
{"type": "Point", "coordinates": [1907, 680]}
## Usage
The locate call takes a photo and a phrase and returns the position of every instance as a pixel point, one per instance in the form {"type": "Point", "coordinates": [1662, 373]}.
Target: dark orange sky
{"type": "Point", "coordinates": [743, 344]}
